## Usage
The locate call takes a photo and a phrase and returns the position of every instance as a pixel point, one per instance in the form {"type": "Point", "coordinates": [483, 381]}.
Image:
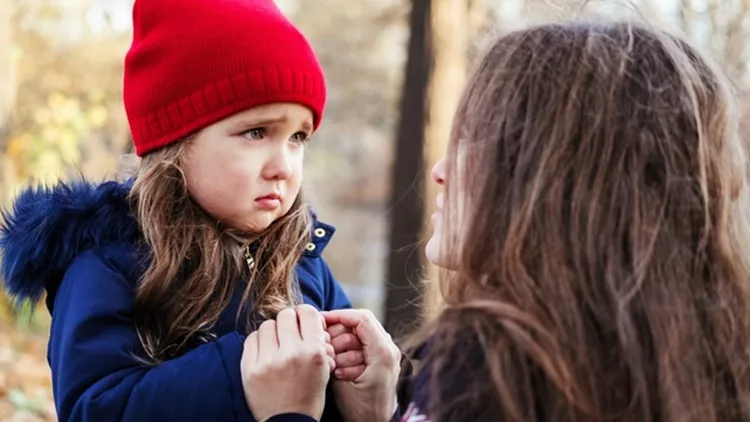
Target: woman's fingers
{"type": "Point", "coordinates": [330, 352]}
{"type": "Point", "coordinates": [287, 328]}
{"type": "Point", "coordinates": [268, 341]}
{"type": "Point", "coordinates": [362, 322]}
{"type": "Point", "coordinates": [310, 326]}
{"type": "Point", "coordinates": [251, 348]}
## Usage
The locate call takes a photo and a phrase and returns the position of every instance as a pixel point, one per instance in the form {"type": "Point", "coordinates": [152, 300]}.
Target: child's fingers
{"type": "Point", "coordinates": [345, 342]}
{"type": "Point", "coordinates": [337, 329]}
{"type": "Point", "coordinates": [349, 374]}
{"type": "Point", "coordinates": [350, 359]}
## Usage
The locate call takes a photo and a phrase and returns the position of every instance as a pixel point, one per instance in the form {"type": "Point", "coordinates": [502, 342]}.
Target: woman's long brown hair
{"type": "Point", "coordinates": [601, 270]}
{"type": "Point", "coordinates": [194, 265]}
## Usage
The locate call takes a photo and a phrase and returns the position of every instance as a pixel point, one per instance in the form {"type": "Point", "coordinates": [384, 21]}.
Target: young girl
{"type": "Point", "coordinates": [152, 284]}
{"type": "Point", "coordinates": [594, 224]}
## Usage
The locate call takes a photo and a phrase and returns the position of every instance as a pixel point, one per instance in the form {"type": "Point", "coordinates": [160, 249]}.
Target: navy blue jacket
{"type": "Point", "coordinates": [76, 242]}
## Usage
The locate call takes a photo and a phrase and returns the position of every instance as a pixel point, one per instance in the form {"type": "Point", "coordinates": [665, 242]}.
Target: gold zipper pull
{"type": "Point", "coordinates": [249, 258]}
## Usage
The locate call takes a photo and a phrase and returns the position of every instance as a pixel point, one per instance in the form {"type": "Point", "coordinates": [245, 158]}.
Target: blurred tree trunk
{"type": "Point", "coordinates": [7, 96]}
{"type": "Point", "coordinates": [406, 222]}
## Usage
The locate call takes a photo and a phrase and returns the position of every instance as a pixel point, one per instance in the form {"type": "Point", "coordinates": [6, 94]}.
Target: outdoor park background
{"type": "Point", "coordinates": [395, 70]}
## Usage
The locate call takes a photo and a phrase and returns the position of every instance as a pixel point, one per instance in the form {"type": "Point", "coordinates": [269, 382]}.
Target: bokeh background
{"type": "Point", "coordinates": [395, 70]}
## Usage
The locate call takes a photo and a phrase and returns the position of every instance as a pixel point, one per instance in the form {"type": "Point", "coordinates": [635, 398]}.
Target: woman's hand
{"type": "Point", "coordinates": [286, 365]}
{"type": "Point", "coordinates": [370, 397]}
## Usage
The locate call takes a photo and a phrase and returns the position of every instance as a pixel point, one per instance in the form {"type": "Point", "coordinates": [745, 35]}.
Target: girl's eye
{"type": "Point", "coordinates": [255, 134]}
{"type": "Point", "coordinates": [300, 137]}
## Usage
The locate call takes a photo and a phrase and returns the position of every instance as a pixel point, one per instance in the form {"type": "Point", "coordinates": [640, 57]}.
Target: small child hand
{"type": "Point", "coordinates": [349, 355]}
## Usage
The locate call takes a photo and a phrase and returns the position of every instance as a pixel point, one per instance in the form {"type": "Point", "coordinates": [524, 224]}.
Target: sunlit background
{"type": "Point", "coordinates": [61, 113]}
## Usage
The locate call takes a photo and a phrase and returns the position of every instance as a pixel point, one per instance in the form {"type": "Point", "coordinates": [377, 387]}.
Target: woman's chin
{"type": "Point", "coordinates": [432, 251]}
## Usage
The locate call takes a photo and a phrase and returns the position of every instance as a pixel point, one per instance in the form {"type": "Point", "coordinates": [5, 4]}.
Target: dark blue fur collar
{"type": "Point", "coordinates": [49, 226]}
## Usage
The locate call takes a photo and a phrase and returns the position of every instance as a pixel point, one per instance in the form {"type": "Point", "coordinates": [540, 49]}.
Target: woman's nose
{"type": "Point", "coordinates": [438, 172]}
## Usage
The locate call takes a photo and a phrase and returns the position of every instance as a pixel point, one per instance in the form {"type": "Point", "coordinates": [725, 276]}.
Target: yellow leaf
{"type": "Point", "coordinates": [17, 146]}
{"type": "Point", "coordinates": [49, 134]}
{"type": "Point", "coordinates": [96, 95]}
{"type": "Point", "coordinates": [42, 116]}
{"type": "Point", "coordinates": [97, 116]}
{"type": "Point", "coordinates": [48, 167]}
{"type": "Point", "coordinates": [16, 54]}
{"type": "Point", "coordinates": [67, 111]}
{"type": "Point", "coordinates": [68, 145]}
{"type": "Point", "coordinates": [55, 100]}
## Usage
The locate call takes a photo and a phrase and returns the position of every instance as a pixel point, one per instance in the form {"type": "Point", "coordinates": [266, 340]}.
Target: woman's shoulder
{"type": "Point", "coordinates": [414, 384]}
{"type": "Point", "coordinates": [49, 228]}
{"type": "Point", "coordinates": [443, 372]}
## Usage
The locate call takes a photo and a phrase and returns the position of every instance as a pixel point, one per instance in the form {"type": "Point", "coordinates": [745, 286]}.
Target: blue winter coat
{"type": "Point", "coordinates": [76, 241]}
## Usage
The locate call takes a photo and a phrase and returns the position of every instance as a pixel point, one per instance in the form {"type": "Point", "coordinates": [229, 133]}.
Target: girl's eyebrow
{"type": "Point", "coordinates": [246, 123]}
{"type": "Point", "coordinates": [306, 126]}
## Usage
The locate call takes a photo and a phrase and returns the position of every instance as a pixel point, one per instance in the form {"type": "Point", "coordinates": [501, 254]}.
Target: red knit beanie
{"type": "Point", "coordinates": [193, 63]}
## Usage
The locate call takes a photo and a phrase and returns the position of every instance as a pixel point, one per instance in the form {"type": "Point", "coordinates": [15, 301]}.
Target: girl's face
{"type": "Point", "coordinates": [246, 170]}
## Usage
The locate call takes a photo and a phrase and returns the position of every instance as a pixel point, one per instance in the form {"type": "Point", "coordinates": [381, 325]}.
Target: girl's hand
{"type": "Point", "coordinates": [348, 351]}
{"type": "Point", "coordinates": [286, 365]}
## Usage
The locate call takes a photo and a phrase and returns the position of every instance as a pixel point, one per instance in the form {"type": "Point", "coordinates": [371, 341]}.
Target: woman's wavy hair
{"type": "Point", "coordinates": [601, 270]}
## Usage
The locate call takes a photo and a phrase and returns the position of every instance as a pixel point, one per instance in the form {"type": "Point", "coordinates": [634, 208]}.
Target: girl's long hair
{"type": "Point", "coordinates": [194, 265]}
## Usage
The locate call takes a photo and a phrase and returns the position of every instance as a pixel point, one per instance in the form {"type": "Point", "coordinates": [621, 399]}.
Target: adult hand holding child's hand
{"type": "Point", "coordinates": [367, 366]}
{"type": "Point", "coordinates": [286, 365]}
